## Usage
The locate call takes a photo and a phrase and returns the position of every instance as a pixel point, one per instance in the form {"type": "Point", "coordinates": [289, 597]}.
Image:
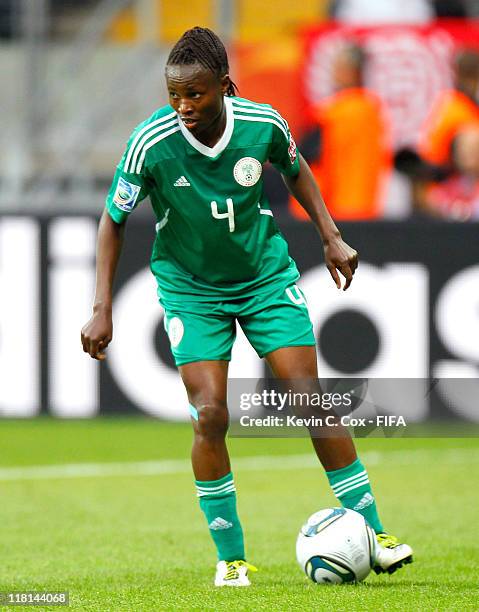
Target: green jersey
{"type": "Point", "coordinates": [215, 232]}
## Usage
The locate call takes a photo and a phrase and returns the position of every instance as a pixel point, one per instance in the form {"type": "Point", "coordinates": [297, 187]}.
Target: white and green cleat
{"type": "Point", "coordinates": [233, 573]}
{"type": "Point", "coordinates": [390, 554]}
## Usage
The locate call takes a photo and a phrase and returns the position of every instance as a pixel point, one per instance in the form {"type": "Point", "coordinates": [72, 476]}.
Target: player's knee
{"type": "Point", "coordinates": [212, 419]}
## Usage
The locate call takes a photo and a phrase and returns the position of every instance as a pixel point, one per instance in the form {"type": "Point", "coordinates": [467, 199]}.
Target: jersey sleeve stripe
{"type": "Point", "coordinates": [260, 108]}
{"type": "Point", "coordinates": [268, 112]}
{"type": "Point", "coordinates": [263, 120]}
{"type": "Point", "coordinates": [140, 134]}
{"type": "Point", "coordinates": [153, 142]}
{"type": "Point", "coordinates": [147, 137]}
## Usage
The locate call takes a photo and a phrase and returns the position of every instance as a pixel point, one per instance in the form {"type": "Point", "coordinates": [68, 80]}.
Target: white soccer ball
{"type": "Point", "coordinates": [336, 545]}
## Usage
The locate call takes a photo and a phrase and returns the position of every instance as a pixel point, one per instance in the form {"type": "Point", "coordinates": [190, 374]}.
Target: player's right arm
{"type": "Point", "coordinates": [98, 332]}
{"type": "Point", "coordinates": [128, 188]}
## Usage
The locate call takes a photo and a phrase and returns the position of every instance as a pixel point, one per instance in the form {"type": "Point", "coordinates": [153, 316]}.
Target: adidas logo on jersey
{"type": "Point", "coordinates": [219, 523]}
{"type": "Point", "coordinates": [182, 182]}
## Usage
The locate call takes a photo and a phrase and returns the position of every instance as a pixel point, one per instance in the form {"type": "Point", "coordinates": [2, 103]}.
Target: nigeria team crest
{"type": "Point", "coordinates": [247, 171]}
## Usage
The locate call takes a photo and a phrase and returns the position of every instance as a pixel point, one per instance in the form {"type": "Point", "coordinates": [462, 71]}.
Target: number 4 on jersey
{"type": "Point", "coordinates": [230, 215]}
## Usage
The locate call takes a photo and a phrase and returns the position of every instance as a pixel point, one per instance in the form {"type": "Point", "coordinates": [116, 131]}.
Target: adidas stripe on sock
{"type": "Point", "coordinates": [351, 486]}
{"type": "Point", "coordinates": [218, 502]}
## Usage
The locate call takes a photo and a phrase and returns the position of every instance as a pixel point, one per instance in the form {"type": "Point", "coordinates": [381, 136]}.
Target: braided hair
{"type": "Point", "coordinates": [202, 46]}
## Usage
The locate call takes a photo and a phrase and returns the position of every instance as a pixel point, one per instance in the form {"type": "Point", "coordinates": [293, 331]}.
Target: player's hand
{"type": "Point", "coordinates": [96, 335]}
{"type": "Point", "coordinates": [339, 256]}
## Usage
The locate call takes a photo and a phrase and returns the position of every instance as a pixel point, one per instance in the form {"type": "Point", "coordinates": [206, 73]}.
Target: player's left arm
{"type": "Point", "coordinates": [338, 255]}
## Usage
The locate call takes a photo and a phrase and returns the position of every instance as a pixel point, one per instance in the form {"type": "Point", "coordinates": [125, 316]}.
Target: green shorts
{"type": "Point", "coordinates": [200, 331]}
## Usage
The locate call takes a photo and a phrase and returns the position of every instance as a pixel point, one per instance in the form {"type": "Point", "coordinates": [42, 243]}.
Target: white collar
{"type": "Point", "coordinates": [222, 143]}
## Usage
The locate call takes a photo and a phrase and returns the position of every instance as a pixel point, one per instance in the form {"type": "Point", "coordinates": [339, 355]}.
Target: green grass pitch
{"type": "Point", "coordinates": [106, 509]}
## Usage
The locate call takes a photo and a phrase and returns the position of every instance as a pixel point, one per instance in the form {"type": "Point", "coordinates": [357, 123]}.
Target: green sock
{"type": "Point", "coordinates": [218, 502]}
{"type": "Point", "coordinates": [351, 486]}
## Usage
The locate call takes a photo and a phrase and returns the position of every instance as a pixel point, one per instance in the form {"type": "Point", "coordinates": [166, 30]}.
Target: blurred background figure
{"type": "Point", "coordinates": [457, 196]}
{"type": "Point", "coordinates": [445, 173]}
{"type": "Point", "coordinates": [454, 109]}
{"type": "Point", "coordinates": [349, 149]}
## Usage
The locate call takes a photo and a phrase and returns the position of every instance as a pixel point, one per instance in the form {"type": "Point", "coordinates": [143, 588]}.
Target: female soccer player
{"type": "Point", "coordinates": [218, 257]}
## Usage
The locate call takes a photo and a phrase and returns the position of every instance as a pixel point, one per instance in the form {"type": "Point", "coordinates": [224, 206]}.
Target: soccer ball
{"type": "Point", "coordinates": [336, 545]}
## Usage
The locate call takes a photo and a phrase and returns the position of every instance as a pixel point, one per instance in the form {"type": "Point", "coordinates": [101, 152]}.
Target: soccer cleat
{"type": "Point", "coordinates": [390, 554]}
{"type": "Point", "coordinates": [233, 573]}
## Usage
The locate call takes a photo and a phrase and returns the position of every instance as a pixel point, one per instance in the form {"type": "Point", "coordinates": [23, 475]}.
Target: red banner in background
{"type": "Point", "coordinates": [408, 66]}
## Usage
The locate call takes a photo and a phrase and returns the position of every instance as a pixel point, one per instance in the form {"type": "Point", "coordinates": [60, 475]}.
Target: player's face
{"type": "Point", "coordinates": [196, 94]}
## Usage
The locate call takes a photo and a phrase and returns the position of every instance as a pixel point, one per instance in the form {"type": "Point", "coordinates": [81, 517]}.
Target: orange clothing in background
{"type": "Point", "coordinates": [452, 112]}
{"type": "Point", "coordinates": [355, 158]}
